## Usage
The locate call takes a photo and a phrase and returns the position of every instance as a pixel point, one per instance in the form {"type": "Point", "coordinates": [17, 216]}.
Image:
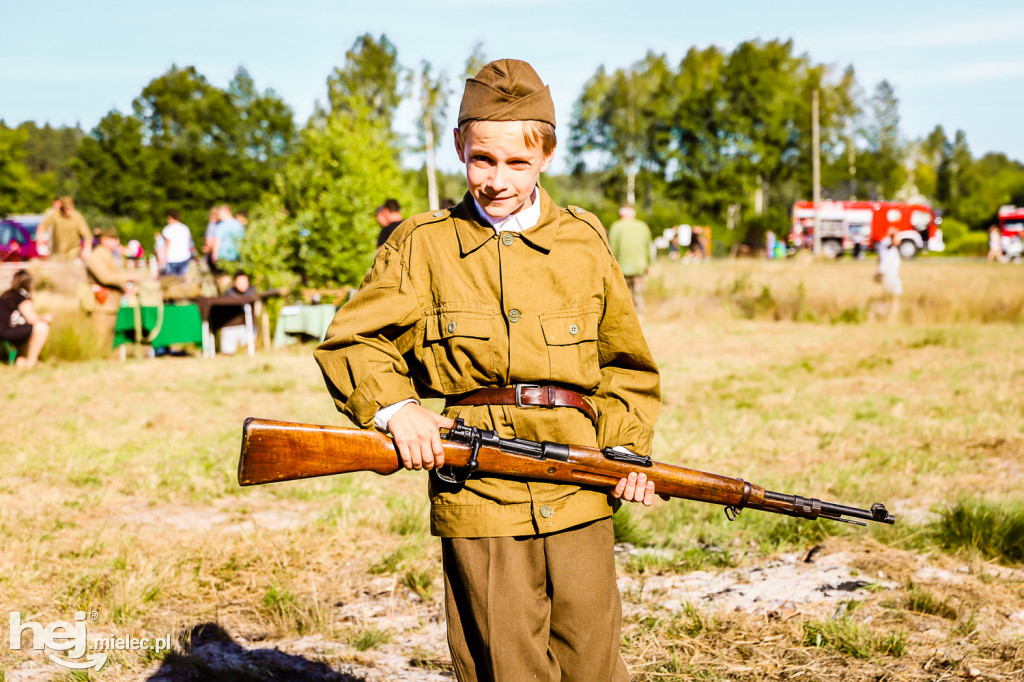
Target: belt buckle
{"type": "Point", "coordinates": [519, 393]}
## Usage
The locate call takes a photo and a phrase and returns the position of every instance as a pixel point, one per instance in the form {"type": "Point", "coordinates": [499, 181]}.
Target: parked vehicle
{"type": "Point", "coordinates": [18, 238]}
{"type": "Point", "coordinates": [1011, 229]}
{"type": "Point", "coordinates": [858, 225]}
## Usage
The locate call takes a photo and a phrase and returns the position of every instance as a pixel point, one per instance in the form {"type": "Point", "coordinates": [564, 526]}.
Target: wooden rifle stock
{"type": "Point", "coordinates": [283, 451]}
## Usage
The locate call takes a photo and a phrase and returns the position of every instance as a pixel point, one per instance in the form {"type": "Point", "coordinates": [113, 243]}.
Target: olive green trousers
{"type": "Point", "coordinates": [534, 608]}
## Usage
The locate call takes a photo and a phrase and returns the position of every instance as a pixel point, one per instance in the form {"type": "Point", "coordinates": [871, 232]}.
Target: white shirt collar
{"type": "Point", "coordinates": [516, 222]}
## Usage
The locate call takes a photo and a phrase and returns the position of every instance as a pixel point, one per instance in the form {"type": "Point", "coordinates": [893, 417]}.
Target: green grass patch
{"type": "Point", "coordinates": [395, 560]}
{"type": "Point", "coordinates": [290, 613]}
{"type": "Point", "coordinates": [920, 600]}
{"type": "Point", "coordinates": [845, 636]}
{"type": "Point", "coordinates": [364, 639]}
{"type": "Point", "coordinates": [409, 516]}
{"type": "Point", "coordinates": [994, 530]}
{"type": "Point", "coordinates": [629, 529]}
{"type": "Point", "coordinates": [420, 581]}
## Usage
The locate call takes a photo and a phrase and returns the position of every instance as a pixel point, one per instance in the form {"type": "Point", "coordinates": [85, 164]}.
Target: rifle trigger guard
{"type": "Point", "coordinates": [733, 510]}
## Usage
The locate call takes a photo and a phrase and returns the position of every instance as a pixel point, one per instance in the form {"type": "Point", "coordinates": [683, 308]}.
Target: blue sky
{"type": "Point", "coordinates": [958, 64]}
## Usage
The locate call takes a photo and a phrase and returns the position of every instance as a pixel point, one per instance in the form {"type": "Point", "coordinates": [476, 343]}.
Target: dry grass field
{"type": "Point", "coordinates": [118, 499]}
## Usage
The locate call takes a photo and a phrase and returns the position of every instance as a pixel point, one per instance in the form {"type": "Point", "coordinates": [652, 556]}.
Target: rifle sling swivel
{"type": "Point", "coordinates": [733, 510]}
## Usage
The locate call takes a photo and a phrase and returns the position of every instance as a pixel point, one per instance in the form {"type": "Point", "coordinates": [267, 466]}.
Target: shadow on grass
{"type": "Point", "coordinates": [209, 654]}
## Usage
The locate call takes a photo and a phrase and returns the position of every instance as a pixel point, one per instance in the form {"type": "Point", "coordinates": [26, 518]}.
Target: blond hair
{"type": "Point", "coordinates": [535, 134]}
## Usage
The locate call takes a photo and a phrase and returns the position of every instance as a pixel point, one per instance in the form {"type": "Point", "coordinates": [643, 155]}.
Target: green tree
{"type": "Point", "coordinates": [956, 178]}
{"type": "Point", "coordinates": [721, 135]}
{"type": "Point", "coordinates": [48, 155]}
{"type": "Point", "coordinates": [929, 155]}
{"type": "Point", "coordinates": [317, 225]}
{"type": "Point", "coordinates": [369, 79]}
{"type": "Point", "coordinates": [476, 60]}
{"type": "Point", "coordinates": [615, 122]}
{"type": "Point", "coordinates": [187, 145]}
{"type": "Point", "coordinates": [886, 153]}
{"type": "Point", "coordinates": [988, 183]}
{"type": "Point", "coordinates": [116, 170]}
{"type": "Point", "coordinates": [19, 191]}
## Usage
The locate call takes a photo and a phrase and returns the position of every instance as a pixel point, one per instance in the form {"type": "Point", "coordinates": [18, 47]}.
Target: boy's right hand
{"type": "Point", "coordinates": [414, 429]}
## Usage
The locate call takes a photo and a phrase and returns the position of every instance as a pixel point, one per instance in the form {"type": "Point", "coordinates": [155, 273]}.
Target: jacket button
{"type": "Point", "coordinates": [546, 511]}
{"type": "Point", "coordinates": [513, 315]}
{"type": "Point", "coordinates": [451, 327]}
{"type": "Point", "coordinates": [574, 330]}
{"type": "Point", "coordinates": [507, 238]}
{"type": "Point", "coordinates": [438, 214]}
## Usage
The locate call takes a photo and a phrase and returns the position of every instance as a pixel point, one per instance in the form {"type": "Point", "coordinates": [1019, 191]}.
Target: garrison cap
{"type": "Point", "coordinates": [507, 90]}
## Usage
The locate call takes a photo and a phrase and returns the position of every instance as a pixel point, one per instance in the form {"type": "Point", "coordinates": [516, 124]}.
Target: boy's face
{"type": "Point", "coordinates": [501, 169]}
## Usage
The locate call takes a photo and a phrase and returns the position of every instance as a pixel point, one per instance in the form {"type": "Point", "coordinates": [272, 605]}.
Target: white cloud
{"type": "Point", "coordinates": [954, 31]}
{"type": "Point", "coordinates": [986, 71]}
{"type": "Point", "coordinates": [982, 31]}
{"type": "Point", "coordinates": [27, 69]}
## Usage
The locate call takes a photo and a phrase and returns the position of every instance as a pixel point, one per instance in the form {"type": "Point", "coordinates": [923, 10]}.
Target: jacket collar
{"type": "Point", "coordinates": [473, 230]}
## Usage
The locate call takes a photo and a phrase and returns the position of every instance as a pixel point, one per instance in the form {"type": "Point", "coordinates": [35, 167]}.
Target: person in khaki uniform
{"type": "Point", "coordinates": [515, 311]}
{"type": "Point", "coordinates": [108, 283]}
{"type": "Point", "coordinates": [69, 233]}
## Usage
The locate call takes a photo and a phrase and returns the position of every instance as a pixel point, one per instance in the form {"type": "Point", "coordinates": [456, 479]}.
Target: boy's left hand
{"type": "Point", "coordinates": [635, 488]}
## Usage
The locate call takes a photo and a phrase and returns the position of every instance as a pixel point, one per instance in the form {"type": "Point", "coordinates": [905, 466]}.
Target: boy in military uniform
{"type": "Point", "coordinates": [515, 311]}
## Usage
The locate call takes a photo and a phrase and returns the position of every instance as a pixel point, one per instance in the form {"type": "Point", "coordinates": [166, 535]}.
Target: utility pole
{"type": "Point", "coordinates": [428, 138]}
{"type": "Point", "coordinates": [816, 171]}
{"type": "Point", "coordinates": [631, 152]}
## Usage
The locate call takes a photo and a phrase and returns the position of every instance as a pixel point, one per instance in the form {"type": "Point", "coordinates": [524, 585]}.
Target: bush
{"type": "Point", "coordinates": [961, 241]}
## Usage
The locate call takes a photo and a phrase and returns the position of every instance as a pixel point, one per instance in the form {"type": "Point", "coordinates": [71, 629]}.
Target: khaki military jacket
{"type": "Point", "coordinates": [103, 270]}
{"type": "Point", "coordinates": [450, 307]}
{"type": "Point", "coordinates": [67, 232]}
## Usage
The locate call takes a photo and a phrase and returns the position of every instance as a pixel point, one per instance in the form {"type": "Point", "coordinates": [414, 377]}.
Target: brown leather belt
{"type": "Point", "coordinates": [526, 395]}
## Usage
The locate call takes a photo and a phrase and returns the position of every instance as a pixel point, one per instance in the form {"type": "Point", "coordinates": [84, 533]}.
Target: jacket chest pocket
{"type": "Point", "coordinates": [571, 339]}
{"type": "Point", "coordinates": [459, 355]}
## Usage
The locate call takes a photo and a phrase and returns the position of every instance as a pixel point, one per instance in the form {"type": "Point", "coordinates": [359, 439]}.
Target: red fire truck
{"type": "Point", "coordinates": [858, 225]}
{"type": "Point", "coordinates": [1011, 227]}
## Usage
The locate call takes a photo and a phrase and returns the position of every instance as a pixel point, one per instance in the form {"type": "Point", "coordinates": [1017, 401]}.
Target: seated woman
{"type": "Point", "coordinates": [20, 324]}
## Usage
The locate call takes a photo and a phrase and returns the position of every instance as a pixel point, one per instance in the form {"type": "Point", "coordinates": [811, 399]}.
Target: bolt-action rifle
{"type": "Point", "coordinates": [283, 451]}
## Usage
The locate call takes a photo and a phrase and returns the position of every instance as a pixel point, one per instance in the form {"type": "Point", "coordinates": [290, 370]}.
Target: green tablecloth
{"type": "Point", "coordinates": [181, 324]}
{"type": "Point", "coordinates": [311, 320]}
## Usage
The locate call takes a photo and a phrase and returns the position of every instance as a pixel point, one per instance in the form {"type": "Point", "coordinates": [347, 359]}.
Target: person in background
{"type": "Point", "coordinates": [134, 253]}
{"type": "Point", "coordinates": [995, 246]}
{"type": "Point", "coordinates": [697, 250]}
{"type": "Point", "coordinates": [447, 203]}
{"type": "Point", "coordinates": [234, 334]}
{"type": "Point", "coordinates": [160, 252]}
{"type": "Point", "coordinates": [889, 269]}
{"type": "Point", "coordinates": [389, 216]}
{"type": "Point", "coordinates": [630, 241]}
{"type": "Point", "coordinates": [108, 283]}
{"type": "Point", "coordinates": [228, 238]}
{"type": "Point", "coordinates": [210, 236]}
{"type": "Point", "coordinates": [70, 237]}
{"type": "Point", "coordinates": [20, 324]}
{"type": "Point", "coordinates": [44, 241]}
{"type": "Point", "coordinates": [243, 218]}
{"type": "Point", "coordinates": [177, 245]}
{"type": "Point", "coordinates": [240, 285]}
